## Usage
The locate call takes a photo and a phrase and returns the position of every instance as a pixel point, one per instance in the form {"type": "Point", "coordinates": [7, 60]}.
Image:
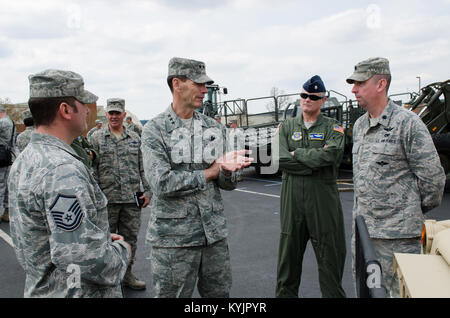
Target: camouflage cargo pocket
{"type": "Point", "coordinates": [172, 223]}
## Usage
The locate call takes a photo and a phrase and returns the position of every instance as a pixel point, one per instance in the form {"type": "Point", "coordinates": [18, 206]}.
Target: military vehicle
{"type": "Point", "coordinates": [259, 127]}
{"type": "Point", "coordinates": [433, 106]}
{"type": "Point", "coordinates": [212, 100]}
{"type": "Point", "coordinates": [433, 264]}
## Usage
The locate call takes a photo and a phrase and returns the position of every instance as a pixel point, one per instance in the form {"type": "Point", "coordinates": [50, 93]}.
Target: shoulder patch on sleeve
{"type": "Point", "coordinates": [338, 128]}
{"type": "Point", "coordinates": [66, 212]}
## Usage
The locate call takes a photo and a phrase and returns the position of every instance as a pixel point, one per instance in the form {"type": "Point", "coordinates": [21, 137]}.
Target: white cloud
{"type": "Point", "coordinates": [122, 47]}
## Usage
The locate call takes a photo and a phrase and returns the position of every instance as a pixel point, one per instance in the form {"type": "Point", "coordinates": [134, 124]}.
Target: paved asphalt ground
{"type": "Point", "coordinates": [253, 222]}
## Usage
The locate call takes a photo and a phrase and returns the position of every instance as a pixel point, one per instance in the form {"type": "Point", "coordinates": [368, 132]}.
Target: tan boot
{"type": "Point", "coordinates": [130, 281]}
{"type": "Point", "coordinates": [5, 217]}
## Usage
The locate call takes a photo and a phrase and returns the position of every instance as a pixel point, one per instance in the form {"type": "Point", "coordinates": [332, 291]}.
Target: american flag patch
{"type": "Point", "coordinates": [338, 129]}
{"type": "Point", "coordinates": [278, 128]}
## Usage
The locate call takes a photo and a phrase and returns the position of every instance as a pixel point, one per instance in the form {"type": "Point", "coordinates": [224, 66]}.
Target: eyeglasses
{"type": "Point", "coordinates": [311, 97]}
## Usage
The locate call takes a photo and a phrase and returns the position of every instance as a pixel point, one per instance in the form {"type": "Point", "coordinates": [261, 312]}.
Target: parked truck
{"type": "Point", "coordinates": [260, 127]}
{"type": "Point", "coordinates": [432, 104]}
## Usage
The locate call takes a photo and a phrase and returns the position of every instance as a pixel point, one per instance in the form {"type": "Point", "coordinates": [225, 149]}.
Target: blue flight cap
{"type": "Point", "coordinates": [314, 85]}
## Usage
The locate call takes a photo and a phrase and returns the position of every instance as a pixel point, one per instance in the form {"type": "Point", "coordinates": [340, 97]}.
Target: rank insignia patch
{"type": "Point", "coordinates": [316, 136]}
{"type": "Point", "coordinates": [297, 136]}
{"type": "Point", "coordinates": [66, 212]}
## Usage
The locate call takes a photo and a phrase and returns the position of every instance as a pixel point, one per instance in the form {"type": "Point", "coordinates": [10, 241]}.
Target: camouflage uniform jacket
{"type": "Point", "coordinates": [186, 210]}
{"type": "Point", "coordinates": [59, 225]}
{"type": "Point", "coordinates": [120, 169]}
{"type": "Point", "coordinates": [397, 173]}
{"type": "Point", "coordinates": [6, 129]}
{"type": "Point", "coordinates": [135, 128]}
{"type": "Point", "coordinates": [24, 138]}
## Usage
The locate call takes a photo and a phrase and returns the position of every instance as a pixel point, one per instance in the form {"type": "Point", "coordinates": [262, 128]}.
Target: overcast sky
{"type": "Point", "coordinates": [122, 48]}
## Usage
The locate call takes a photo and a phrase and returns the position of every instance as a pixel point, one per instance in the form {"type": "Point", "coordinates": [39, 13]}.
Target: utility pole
{"type": "Point", "coordinates": [420, 87]}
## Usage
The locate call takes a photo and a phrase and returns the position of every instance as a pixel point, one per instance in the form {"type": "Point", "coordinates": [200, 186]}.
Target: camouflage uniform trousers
{"type": "Point", "coordinates": [384, 251]}
{"type": "Point", "coordinates": [125, 219]}
{"type": "Point", "coordinates": [175, 271]}
{"type": "Point", "coordinates": [4, 172]}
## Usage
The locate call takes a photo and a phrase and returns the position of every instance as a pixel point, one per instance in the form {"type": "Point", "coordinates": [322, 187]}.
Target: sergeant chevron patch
{"type": "Point", "coordinates": [66, 212]}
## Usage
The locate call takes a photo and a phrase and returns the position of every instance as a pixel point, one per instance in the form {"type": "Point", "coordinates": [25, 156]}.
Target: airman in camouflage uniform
{"type": "Point", "coordinates": [6, 131]}
{"type": "Point", "coordinates": [397, 174]}
{"type": "Point", "coordinates": [24, 137]}
{"type": "Point", "coordinates": [132, 126]}
{"type": "Point", "coordinates": [120, 171]}
{"type": "Point", "coordinates": [59, 223]}
{"type": "Point", "coordinates": [184, 163]}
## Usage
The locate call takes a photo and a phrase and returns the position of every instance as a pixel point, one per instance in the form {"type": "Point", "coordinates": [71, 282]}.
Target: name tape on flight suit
{"type": "Point", "coordinates": [316, 136]}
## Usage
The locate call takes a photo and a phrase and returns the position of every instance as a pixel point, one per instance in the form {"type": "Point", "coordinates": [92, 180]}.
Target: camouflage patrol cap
{"type": "Point", "coordinates": [115, 104]}
{"type": "Point", "coordinates": [192, 69]}
{"type": "Point", "coordinates": [58, 83]}
{"type": "Point", "coordinates": [98, 121]}
{"type": "Point", "coordinates": [368, 68]}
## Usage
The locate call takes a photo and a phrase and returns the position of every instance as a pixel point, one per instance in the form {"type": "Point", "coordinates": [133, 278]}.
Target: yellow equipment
{"type": "Point", "coordinates": [428, 274]}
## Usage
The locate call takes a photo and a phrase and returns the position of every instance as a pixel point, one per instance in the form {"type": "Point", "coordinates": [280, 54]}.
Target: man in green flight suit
{"type": "Point", "coordinates": [311, 147]}
{"type": "Point", "coordinates": [86, 151]}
